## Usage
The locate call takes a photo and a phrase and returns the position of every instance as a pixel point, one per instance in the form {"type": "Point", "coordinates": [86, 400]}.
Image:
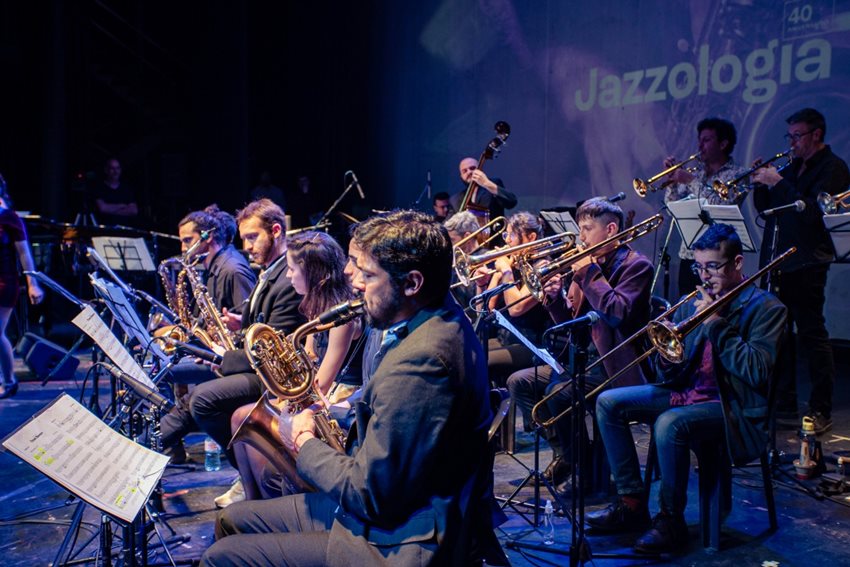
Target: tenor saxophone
{"type": "Point", "coordinates": [176, 298]}
{"type": "Point", "coordinates": [210, 328]}
{"type": "Point", "coordinates": [288, 373]}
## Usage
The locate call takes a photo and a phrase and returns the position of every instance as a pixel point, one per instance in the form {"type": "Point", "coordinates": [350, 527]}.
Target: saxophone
{"type": "Point", "coordinates": [288, 373]}
{"type": "Point", "coordinates": [213, 331]}
{"type": "Point", "coordinates": [175, 297]}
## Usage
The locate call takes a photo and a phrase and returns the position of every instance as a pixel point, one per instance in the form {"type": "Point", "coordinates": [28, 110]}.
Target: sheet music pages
{"type": "Point", "coordinates": [91, 324]}
{"type": "Point", "coordinates": [560, 221]}
{"type": "Point", "coordinates": [541, 353]}
{"type": "Point", "coordinates": [124, 253]}
{"type": "Point", "coordinates": [731, 215]}
{"type": "Point", "coordinates": [72, 447]}
{"type": "Point", "coordinates": [686, 214]}
{"type": "Point", "coordinates": [838, 227]}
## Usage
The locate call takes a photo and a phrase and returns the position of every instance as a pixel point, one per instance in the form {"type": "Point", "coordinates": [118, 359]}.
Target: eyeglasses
{"type": "Point", "coordinates": [711, 268]}
{"type": "Point", "coordinates": [797, 137]}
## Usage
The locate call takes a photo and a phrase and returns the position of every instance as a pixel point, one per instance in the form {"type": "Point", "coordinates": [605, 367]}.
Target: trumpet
{"type": "Point", "coordinates": [667, 340]}
{"type": "Point", "coordinates": [830, 204]}
{"type": "Point", "coordinates": [724, 188]}
{"type": "Point", "coordinates": [535, 278]}
{"type": "Point", "coordinates": [642, 187]}
{"type": "Point", "coordinates": [466, 264]}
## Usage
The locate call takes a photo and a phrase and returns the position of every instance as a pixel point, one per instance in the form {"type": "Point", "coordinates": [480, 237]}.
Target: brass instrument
{"type": "Point", "coordinates": [667, 340]}
{"type": "Point", "coordinates": [481, 232]}
{"type": "Point", "coordinates": [177, 300]}
{"type": "Point", "coordinates": [214, 331]}
{"type": "Point", "coordinates": [466, 264]}
{"type": "Point", "coordinates": [724, 188]}
{"type": "Point", "coordinates": [321, 226]}
{"type": "Point", "coordinates": [830, 204]}
{"type": "Point", "coordinates": [288, 373]}
{"type": "Point", "coordinates": [535, 278]}
{"type": "Point", "coordinates": [642, 187]}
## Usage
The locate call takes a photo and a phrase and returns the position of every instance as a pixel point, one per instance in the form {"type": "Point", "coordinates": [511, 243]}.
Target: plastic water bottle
{"type": "Point", "coordinates": [212, 455]}
{"type": "Point", "coordinates": [548, 524]}
{"type": "Point", "coordinates": [807, 442]}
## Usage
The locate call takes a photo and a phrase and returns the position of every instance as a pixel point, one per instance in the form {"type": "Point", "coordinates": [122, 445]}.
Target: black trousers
{"type": "Point", "coordinates": [804, 293]}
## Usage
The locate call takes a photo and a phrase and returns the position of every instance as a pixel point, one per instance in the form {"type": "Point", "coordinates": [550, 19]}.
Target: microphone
{"type": "Point", "coordinates": [205, 235]}
{"type": "Point", "coordinates": [797, 206]}
{"type": "Point", "coordinates": [584, 321]}
{"type": "Point", "coordinates": [485, 295]}
{"type": "Point", "coordinates": [357, 184]}
{"type": "Point", "coordinates": [140, 388]}
{"type": "Point", "coordinates": [614, 198]}
{"type": "Point", "coordinates": [202, 353]}
{"type": "Point", "coordinates": [342, 313]}
{"type": "Point", "coordinates": [428, 182]}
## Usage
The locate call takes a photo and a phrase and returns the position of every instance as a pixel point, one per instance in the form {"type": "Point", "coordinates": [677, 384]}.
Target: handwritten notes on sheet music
{"type": "Point", "coordinates": [74, 448]}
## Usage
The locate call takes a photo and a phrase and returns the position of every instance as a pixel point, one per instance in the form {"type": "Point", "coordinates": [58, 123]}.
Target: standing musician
{"type": "Point", "coordinates": [716, 139]}
{"type": "Point", "coordinates": [273, 301]}
{"type": "Point", "coordinates": [717, 394]}
{"type": "Point", "coordinates": [802, 283]}
{"type": "Point", "coordinates": [615, 282]}
{"type": "Point", "coordinates": [489, 194]}
{"type": "Point", "coordinates": [390, 499]}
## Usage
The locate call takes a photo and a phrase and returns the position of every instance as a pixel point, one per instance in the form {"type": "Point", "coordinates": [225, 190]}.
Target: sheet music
{"type": "Point", "coordinates": [838, 227]}
{"type": "Point", "coordinates": [72, 447]}
{"type": "Point", "coordinates": [731, 215]}
{"type": "Point", "coordinates": [541, 353]}
{"type": "Point", "coordinates": [560, 221]}
{"type": "Point", "coordinates": [124, 312]}
{"type": "Point", "coordinates": [124, 253]}
{"type": "Point", "coordinates": [91, 324]}
{"type": "Point", "coordinates": [686, 213]}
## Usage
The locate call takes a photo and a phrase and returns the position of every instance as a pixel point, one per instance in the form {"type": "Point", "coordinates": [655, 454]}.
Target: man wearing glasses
{"type": "Point", "coordinates": [814, 169]}
{"type": "Point", "coordinates": [716, 395]}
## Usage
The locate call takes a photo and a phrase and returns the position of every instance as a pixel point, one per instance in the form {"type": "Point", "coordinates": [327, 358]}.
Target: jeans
{"type": "Point", "coordinates": [675, 429]}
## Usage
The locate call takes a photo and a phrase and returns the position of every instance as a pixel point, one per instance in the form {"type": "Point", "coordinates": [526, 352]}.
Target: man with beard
{"type": "Point", "coordinates": [273, 301]}
{"type": "Point", "coordinates": [390, 499]}
{"type": "Point", "coordinates": [489, 194]}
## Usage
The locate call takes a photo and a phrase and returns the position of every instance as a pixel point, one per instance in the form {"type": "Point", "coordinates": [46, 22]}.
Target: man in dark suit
{"type": "Point", "coordinates": [409, 489]}
{"type": "Point", "coordinates": [273, 302]}
{"type": "Point", "coordinates": [488, 194]}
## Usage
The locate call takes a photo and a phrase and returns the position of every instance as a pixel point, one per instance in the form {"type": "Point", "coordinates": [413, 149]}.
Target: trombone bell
{"type": "Point", "coordinates": [830, 204]}
{"type": "Point", "coordinates": [668, 341]}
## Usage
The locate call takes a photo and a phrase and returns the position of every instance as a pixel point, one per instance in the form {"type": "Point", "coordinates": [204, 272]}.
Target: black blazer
{"type": "Point", "coordinates": [276, 305]}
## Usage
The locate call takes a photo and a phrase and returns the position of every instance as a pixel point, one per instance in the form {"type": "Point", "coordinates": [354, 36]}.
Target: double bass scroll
{"type": "Point", "coordinates": [503, 131]}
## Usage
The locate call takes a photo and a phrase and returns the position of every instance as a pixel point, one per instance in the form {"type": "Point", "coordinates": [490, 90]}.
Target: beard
{"type": "Point", "coordinates": [381, 311]}
{"type": "Point", "coordinates": [262, 252]}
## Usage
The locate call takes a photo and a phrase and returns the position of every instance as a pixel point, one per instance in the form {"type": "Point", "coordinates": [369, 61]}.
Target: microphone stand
{"type": "Point", "coordinates": [336, 203]}
{"type": "Point", "coordinates": [664, 262]}
{"type": "Point", "coordinates": [425, 190]}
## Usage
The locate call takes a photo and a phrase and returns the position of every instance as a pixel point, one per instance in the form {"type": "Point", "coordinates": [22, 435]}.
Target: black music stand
{"type": "Point", "coordinates": [838, 227]}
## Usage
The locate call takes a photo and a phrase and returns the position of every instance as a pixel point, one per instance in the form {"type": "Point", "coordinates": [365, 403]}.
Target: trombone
{"type": "Point", "coordinates": [535, 278]}
{"type": "Point", "coordinates": [494, 233]}
{"type": "Point", "coordinates": [466, 264]}
{"type": "Point", "coordinates": [667, 340]}
{"type": "Point", "coordinates": [724, 188]}
{"type": "Point", "coordinates": [642, 187]}
{"type": "Point", "coordinates": [830, 204]}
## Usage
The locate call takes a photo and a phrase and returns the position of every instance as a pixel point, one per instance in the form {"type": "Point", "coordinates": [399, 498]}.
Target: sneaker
{"type": "Point", "coordinates": [235, 494]}
{"type": "Point", "coordinates": [821, 422]}
{"type": "Point", "coordinates": [669, 532]}
{"type": "Point", "coordinates": [618, 518]}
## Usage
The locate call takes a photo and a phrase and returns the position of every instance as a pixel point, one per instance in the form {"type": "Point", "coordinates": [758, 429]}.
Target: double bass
{"type": "Point", "coordinates": [503, 131]}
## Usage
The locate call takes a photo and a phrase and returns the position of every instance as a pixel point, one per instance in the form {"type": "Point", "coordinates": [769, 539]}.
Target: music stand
{"type": "Point", "coordinates": [534, 473]}
{"type": "Point", "coordinates": [838, 227]}
{"type": "Point", "coordinates": [124, 253]}
{"type": "Point", "coordinates": [560, 220]}
{"type": "Point", "coordinates": [694, 216]}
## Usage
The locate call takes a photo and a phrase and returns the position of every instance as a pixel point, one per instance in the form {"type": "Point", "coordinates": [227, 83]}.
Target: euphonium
{"type": "Point", "coordinates": [288, 373]}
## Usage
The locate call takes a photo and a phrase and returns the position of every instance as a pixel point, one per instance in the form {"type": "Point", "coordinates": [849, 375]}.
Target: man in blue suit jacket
{"type": "Point", "coordinates": [411, 489]}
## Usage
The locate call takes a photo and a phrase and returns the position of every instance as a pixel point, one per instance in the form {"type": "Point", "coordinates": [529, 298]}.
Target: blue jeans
{"type": "Point", "coordinates": [675, 430]}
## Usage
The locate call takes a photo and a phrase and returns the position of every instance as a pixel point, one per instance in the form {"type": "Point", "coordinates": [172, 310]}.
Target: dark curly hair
{"type": "Point", "coordinates": [322, 260]}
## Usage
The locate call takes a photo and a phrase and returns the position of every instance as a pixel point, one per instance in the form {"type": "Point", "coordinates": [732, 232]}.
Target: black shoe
{"type": "Point", "coordinates": [669, 533]}
{"type": "Point", "coordinates": [11, 388]}
{"type": "Point", "coordinates": [177, 453]}
{"type": "Point", "coordinates": [618, 517]}
{"type": "Point", "coordinates": [557, 472]}
{"type": "Point", "coordinates": [822, 423]}
{"type": "Point", "coordinates": [787, 419]}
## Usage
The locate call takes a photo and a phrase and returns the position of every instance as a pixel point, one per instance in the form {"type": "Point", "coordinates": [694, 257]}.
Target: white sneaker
{"type": "Point", "coordinates": [236, 493]}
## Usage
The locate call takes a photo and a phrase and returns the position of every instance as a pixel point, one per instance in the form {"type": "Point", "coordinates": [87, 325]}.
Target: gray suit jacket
{"type": "Point", "coordinates": [409, 489]}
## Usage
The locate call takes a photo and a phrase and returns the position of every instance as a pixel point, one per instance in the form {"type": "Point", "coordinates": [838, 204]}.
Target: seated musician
{"type": "Point", "coordinates": [524, 312]}
{"type": "Point", "coordinates": [442, 206]}
{"type": "Point", "coordinates": [315, 263]}
{"type": "Point", "coordinates": [615, 282]}
{"type": "Point", "coordinates": [460, 226]}
{"type": "Point", "coordinates": [716, 140]}
{"type": "Point", "coordinates": [488, 195]}
{"type": "Point", "coordinates": [718, 394]}
{"type": "Point", "coordinates": [391, 499]}
{"type": "Point", "coordinates": [273, 301]}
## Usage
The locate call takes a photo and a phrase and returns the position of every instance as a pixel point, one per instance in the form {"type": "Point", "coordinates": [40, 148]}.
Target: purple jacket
{"type": "Point", "coordinates": [619, 290]}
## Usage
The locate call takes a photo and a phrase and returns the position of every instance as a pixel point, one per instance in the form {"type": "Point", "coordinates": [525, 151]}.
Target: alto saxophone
{"type": "Point", "coordinates": [288, 373]}
{"type": "Point", "coordinates": [214, 330]}
{"type": "Point", "coordinates": [175, 297]}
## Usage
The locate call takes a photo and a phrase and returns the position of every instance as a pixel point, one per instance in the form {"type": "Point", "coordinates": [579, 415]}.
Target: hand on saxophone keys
{"type": "Point", "coordinates": [296, 428]}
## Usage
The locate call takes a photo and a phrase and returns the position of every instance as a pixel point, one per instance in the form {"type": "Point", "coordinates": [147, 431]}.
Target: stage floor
{"type": "Point", "coordinates": [34, 512]}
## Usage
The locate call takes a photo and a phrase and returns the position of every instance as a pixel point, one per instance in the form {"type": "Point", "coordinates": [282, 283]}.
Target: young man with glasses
{"type": "Point", "coordinates": [802, 284]}
{"type": "Point", "coordinates": [717, 394]}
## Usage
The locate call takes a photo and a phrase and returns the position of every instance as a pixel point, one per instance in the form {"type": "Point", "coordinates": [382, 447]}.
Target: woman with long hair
{"type": "Point", "coordinates": [316, 265]}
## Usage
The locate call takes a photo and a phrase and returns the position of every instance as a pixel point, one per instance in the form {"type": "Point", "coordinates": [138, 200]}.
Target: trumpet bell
{"type": "Point", "coordinates": [668, 341]}
{"type": "Point", "coordinates": [641, 187]}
